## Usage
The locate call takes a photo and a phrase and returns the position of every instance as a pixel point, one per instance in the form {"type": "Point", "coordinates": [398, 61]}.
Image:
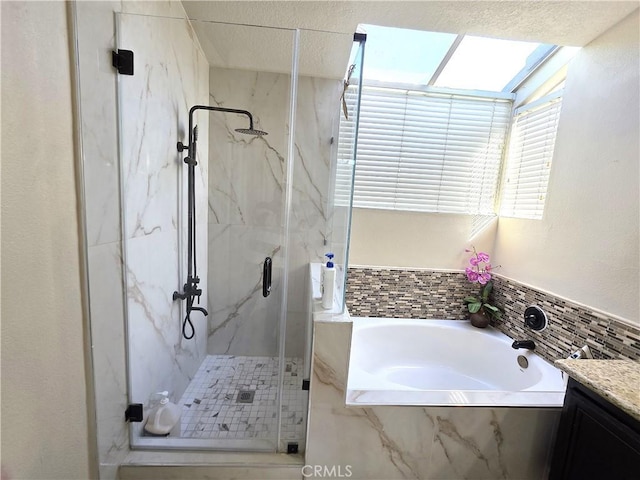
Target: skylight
{"type": "Point", "coordinates": [485, 64]}
{"type": "Point", "coordinates": [400, 55]}
{"type": "Point", "coordinates": [447, 60]}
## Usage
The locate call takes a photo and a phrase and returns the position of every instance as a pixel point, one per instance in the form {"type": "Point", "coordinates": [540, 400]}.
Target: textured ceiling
{"type": "Point", "coordinates": [325, 52]}
{"type": "Point", "coordinates": [263, 49]}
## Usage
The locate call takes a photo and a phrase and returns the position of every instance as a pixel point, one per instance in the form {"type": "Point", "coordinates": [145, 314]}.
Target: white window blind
{"type": "Point", "coordinates": [528, 163]}
{"type": "Point", "coordinates": [426, 151]}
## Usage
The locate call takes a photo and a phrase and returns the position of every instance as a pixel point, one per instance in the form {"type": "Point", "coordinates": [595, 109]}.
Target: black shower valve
{"type": "Point", "coordinates": [191, 287]}
{"type": "Point", "coordinates": [535, 318]}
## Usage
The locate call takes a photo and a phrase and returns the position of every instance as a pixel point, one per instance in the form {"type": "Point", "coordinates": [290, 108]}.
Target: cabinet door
{"type": "Point", "coordinates": [593, 443]}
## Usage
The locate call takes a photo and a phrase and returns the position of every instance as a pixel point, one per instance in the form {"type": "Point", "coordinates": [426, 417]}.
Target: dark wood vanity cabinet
{"type": "Point", "coordinates": [596, 440]}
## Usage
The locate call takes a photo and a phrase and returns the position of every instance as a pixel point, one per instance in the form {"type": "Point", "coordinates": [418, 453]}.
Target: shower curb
{"type": "Point", "coordinates": [213, 466]}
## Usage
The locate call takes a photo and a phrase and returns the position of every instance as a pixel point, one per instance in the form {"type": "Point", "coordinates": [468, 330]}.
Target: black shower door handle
{"type": "Point", "coordinates": [266, 277]}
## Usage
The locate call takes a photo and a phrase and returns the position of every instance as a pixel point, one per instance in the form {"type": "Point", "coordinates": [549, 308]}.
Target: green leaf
{"type": "Point", "coordinates": [474, 307]}
{"type": "Point", "coordinates": [491, 307]}
{"type": "Point", "coordinates": [485, 291]}
{"type": "Point", "coordinates": [471, 300]}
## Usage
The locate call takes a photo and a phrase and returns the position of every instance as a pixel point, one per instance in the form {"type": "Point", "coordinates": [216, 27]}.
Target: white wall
{"type": "Point", "coordinates": [412, 239]}
{"type": "Point", "coordinates": [586, 248]}
{"type": "Point", "coordinates": [44, 412]}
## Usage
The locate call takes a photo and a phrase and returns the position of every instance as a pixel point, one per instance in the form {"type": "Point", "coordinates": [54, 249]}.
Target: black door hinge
{"type": "Point", "coordinates": [122, 60]}
{"type": "Point", "coordinates": [305, 384]}
{"type": "Point", "coordinates": [133, 413]}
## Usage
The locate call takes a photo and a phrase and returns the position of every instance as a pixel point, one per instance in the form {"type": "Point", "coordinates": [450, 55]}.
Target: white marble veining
{"type": "Point", "coordinates": [246, 177]}
{"type": "Point", "coordinates": [246, 172]}
{"type": "Point", "coordinates": [171, 76]}
{"type": "Point", "coordinates": [246, 203]}
{"type": "Point", "coordinates": [242, 321]}
{"type": "Point", "coordinates": [316, 143]}
{"type": "Point", "coordinates": [98, 103]}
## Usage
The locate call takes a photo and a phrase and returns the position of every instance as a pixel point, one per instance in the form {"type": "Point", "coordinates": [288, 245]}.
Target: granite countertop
{"type": "Point", "coordinates": [618, 381]}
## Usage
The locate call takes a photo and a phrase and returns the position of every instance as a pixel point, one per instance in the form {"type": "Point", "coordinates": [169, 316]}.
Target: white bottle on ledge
{"type": "Point", "coordinates": [328, 282]}
{"type": "Point", "coordinates": [163, 417]}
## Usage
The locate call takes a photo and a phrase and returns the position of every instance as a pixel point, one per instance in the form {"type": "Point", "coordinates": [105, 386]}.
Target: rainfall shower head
{"type": "Point", "coordinates": [246, 131]}
{"type": "Point", "coordinates": [251, 131]}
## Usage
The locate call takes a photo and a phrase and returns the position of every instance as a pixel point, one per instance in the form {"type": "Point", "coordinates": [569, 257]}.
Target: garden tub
{"type": "Point", "coordinates": [445, 363]}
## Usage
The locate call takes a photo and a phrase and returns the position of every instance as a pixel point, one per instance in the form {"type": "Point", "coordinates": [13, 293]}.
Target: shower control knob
{"type": "Point", "coordinates": [535, 318]}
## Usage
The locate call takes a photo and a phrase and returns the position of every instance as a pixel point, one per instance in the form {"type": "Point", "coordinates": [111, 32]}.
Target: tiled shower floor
{"type": "Point", "coordinates": [210, 408]}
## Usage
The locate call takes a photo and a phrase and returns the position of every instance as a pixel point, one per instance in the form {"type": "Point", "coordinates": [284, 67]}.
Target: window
{"type": "Point", "coordinates": [434, 115]}
{"type": "Point", "coordinates": [530, 153]}
{"type": "Point", "coordinates": [428, 152]}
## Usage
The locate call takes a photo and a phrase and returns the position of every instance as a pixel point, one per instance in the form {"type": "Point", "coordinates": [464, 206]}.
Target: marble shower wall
{"type": "Point", "coordinates": [172, 75]}
{"type": "Point", "coordinates": [247, 200]}
{"type": "Point", "coordinates": [246, 193]}
{"type": "Point", "coordinates": [313, 223]}
{"type": "Point", "coordinates": [96, 31]}
{"type": "Point", "coordinates": [389, 442]}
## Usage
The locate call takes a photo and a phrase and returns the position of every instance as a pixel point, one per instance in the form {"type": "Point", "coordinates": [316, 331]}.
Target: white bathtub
{"type": "Point", "coordinates": [445, 363]}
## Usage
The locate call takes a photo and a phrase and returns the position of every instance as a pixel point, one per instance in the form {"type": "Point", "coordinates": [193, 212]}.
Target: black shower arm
{"type": "Point", "coordinates": [214, 109]}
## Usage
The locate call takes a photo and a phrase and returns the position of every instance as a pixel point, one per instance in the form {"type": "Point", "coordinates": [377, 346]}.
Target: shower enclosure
{"type": "Point", "coordinates": [264, 209]}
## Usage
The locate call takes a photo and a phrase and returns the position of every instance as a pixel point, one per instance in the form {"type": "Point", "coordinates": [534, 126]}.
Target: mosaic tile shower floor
{"type": "Point", "coordinates": [210, 408]}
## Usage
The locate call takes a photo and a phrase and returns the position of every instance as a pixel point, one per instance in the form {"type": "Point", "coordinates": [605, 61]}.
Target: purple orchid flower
{"type": "Point", "coordinates": [472, 275]}
{"type": "Point", "coordinates": [483, 257]}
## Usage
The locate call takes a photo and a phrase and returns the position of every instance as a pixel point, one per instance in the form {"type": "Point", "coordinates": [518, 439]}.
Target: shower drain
{"type": "Point", "coordinates": [245, 396]}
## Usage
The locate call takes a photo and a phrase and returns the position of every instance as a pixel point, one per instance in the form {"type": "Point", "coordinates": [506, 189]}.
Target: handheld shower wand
{"type": "Point", "coordinates": [190, 288]}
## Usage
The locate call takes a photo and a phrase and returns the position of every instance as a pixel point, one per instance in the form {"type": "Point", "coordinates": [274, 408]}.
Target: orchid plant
{"type": "Point", "coordinates": [480, 272]}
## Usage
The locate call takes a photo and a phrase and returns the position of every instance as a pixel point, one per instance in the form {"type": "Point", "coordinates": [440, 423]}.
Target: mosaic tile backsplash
{"type": "Point", "coordinates": [571, 325]}
{"type": "Point", "coordinates": [396, 293]}
{"type": "Point", "coordinates": [414, 293]}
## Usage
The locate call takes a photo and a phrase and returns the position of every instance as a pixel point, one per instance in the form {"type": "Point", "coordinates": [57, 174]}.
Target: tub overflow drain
{"type": "Point", "coordinates": [522, 361]}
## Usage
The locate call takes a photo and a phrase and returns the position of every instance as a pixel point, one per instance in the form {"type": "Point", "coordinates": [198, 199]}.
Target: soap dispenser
{"type": "Point", "coordinates": [328, 282]}
{"type": "Point", "coordinates": [163, 417]}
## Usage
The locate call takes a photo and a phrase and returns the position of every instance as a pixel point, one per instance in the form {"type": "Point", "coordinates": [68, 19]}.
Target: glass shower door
{"type": "Point", "coordinates": [316, 224]}
{"type": "Point", "coordinates": [247, 237]}
{"type": "Point", "coordinates": [226, 380]}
